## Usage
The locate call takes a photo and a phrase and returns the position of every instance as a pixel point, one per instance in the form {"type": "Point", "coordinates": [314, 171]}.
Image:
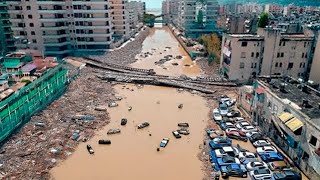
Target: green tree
{"type": "Point", "coordinates": [200, 17]}
{"type": "Point", "coordinates": [212, 45]}
{"type": "Point", "coordinates": [263, 20]}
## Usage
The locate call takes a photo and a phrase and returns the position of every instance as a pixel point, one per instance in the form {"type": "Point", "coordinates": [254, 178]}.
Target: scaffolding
{"type": "Point", "coordinates": [20, 106]}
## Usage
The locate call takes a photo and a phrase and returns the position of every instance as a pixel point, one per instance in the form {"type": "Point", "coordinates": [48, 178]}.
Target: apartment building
{"type": "Point", "coordinates": [120, 19]}
{"type": "Point", "coordinates": [315, 66]}
{"type": "Point", "coordinates": [270, 52]}
{"type": "Point", "coordinates": [140, 8]}
{"type": "Point", "coordinates": [61, 27]}
{"type": "Point", "coordinates": [273, 8]}
{"type": "Point", "coordinates": [6, 34]}
{"type": "Point", "coordinates": [136, 11]}
{"type": "Point", "coordinates": [288, 111]}
{"type": "Point", "coordinates": [170, 10]}
{"type": "Point", "coordinates": [197, 17]}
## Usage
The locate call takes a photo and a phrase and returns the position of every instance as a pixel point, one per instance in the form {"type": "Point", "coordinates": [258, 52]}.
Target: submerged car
{"type": "Point", "coordinates": [223, 109]}
{"type": "Point", "coordinates": [164, 142]}
{"type": "Point", "coordinates": [256, 137]}
{"type": "Point", "coordinates": [233, 113]}
{"type": "Point", "coordinates": [271, 156]}
{"type": "Point", "coordinates": [143, 125]}
{"type": "Point", "coordinates": [227, 160]}
{"type": "Point", "coordinates": [176, 134]}
{"type": "Point", "coordinates": [247, 129]}
{"type": "Point", "coordinates": [216, 115]}
{"type": "Point", "coordinates": [242, 124]}
{"type": "Point", "coordinates": [219, 142]}
{"type": "Point", "coordinates": [277, 165]}
{"type": "Point", "coordinates": [235, 134]}
{"type": "Point", "coordinates": [226, 125]}
{"type": "Point", "coordinates": [246, 157]}
{"type": "Point", "coordinates": [261, 174]}
{"type": "Point", "coordinates": [113, 131]}
{"type": "Point", "coordinates": [234, 170]}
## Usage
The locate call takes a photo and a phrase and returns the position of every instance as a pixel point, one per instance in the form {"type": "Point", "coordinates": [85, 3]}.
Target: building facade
{"type": "Point", "coordinates": [273, 8]}
{"type": "Point", "coordinates": [270, 52]}
{"type": "Point", "coordinates": [197, 17]}
{"type": "Point", "coordinates": [288, 112]}
{"type": "Point", "coordinates": [7, 43]}
{"type": "Point", "coordinates": [64, 27]}
{"type": "Point", "coordinates": [170, 11]}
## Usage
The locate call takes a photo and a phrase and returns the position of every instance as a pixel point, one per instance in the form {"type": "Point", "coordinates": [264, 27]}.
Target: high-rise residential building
{"type": "Point", "coordinates": [61, 27]}
{"type": "Point", "coordinates": [136, 11]}
{"type": "Point", "coordinates": [273, 8]}
{"type": "Point", "coordinates": [6, 34]}
{"type": "Point", "coordinates": [120, 19]}
{"type": "Point", "coordinates": [270, 52]}
{"type": "Point", "coordinates": [170, 10]}
{"type": "Point", "coordinates": [140, 8]}
{"type": "Point", "coordinates": [197, 17]}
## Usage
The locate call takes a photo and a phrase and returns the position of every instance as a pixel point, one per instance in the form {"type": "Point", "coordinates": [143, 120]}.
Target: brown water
{"type": "Point", "coordinates": [156, 43]}
{"type": "Point", "coordinates": [132, 154]}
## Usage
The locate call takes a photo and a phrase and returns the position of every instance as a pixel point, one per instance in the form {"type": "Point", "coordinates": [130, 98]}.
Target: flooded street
{"type": "Point", "coordinates": [132, 154]}
{"type": "Point", "coordinates": [156, 43]}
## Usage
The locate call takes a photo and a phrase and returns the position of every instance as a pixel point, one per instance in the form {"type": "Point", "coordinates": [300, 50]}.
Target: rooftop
{"type": "Point", "coordinates": [16, 55]}
{"type": "Point", "coordinates": [304, 98]}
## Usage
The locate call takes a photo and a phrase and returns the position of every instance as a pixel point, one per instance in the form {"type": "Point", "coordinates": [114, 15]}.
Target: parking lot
{"type": "Point", "coordinates": [230, 128]}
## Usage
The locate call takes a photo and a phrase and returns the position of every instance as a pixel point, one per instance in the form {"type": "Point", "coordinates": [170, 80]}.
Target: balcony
{"type": "Point", "coordinates": [55, 36]}
{"type": "Point", "coordinates": [94, 42]}
{"type": "Point", "coordinates": [51, 11]}
{"type": "Point", "coordinates": [51, 2]}
{"type": "Point", "coordinates": [91, 10]}
{"type": "Point", "coordinates": [52, 53]}
{"type": "Point", "coordinates": [16, 20]}
{"type": "Point", "coordinates": [94, 35]}
{"type": "Point", "coordinates": [54, 28]}
{"type": "Point", "coordinates": [46, 44]}
{"type": "Point", "coordinates": [89, 2]}
{"type": "Point", "coordinates": [17, 28]}
{"type": "Point", "coordinates": [93, 19]}
{"type": "Point", "coordinates": [13, 2]}
{"type": "Point", "coordinates": [53, 19]}
{"type": "Point", "coordinates": [93, 27]}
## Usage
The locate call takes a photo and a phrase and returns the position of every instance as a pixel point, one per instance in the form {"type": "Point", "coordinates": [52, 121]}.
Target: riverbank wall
{"type": "Point", "coordinates": [18, 108]}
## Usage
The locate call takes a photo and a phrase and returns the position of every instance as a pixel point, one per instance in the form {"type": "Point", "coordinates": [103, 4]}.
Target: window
{"type": "Point", "coordinates": [30, 16]}
{"type": "Point", "coordinates": [305, 43]}
{"type": "Point", "coordinates": [244, 44]}
{"type": "Point", "coordinates": [313, 140]}
{"type": "Point", "coordinates": [302, 55]}
{"type": "Point", "coordinates": [28, 7]}
{"type": "Point", "coordinates": [278, 55]}
{"type": "Point", "coordinates": [282, 54]}
{"type": "Point", "coordinates": [276, 64]}
{"type": "Point", "coordinates": [243, 54]}
{"type": "Point", "coordinates": [284, 43]}
{"type": "Point", "coordinates": [241, 65]}
{"type": "Point", "coordinates": [300, 65]}
{"type": "Point", "coordinates": [257, 55]}
{"type": "Point", "coordinates": [290, 65]}
{"type": "Point", "coordinates": [252, 54]}
{"type": "Point", "coordinates": [280, 65]}
{"type": "Point", "coordinates": [306, 56]}
{"type": "Point", "coordinates": [31, 25]}
{"type": "Point", "coordinates": [34, 41]}
{"type": "Point", "coordinates": [33, 33]}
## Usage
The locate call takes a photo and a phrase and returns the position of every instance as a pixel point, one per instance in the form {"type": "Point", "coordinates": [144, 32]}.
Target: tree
{"type": "Point", "coordinates": [200, 17]}
{"type": "Point", "coordinates": [263, 20]}
{"type": "Point", "coordinates": [213, 46]}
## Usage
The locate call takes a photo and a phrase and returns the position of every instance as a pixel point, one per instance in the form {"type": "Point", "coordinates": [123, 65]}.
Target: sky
{"type": "Point", "coordinates": [153, 3]}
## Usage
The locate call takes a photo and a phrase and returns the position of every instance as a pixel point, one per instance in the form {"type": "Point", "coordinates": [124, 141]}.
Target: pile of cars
{"type": "Point", "coordinates": [266, 163]}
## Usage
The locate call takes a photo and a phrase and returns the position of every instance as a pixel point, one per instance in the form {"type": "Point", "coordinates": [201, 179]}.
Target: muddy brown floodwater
{"type": "Point", "coordinates": [133, 153]}
{"type": "Point", "coordinates": [156, 43]}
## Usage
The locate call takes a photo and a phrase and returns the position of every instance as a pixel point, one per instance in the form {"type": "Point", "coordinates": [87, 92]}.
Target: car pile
{"type": "Point", "coordinates": [266, 163]}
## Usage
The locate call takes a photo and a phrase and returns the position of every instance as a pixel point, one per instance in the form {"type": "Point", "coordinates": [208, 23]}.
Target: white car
{"type": "Point", "coordinates": [247, 157]}
{"type": "Point", "coordinates": [246, 129]}
{"type": "Point", "coordinates": [228, 150]}
{"type": "Point", "coordinates": [261, 174]}
{"type": "Point", "coordinates": [216, 115]}
{"type": "Point", "coordinates": [238, 119]}
{"type": "Point", "coordinates": [231, 102]}
{"type": "Point", "coordinates": [256, 165]}
{"type": "Point", "coordinates": [266, 149]}
{"type": "Point", "coordinates": [223, 109]}
{"type": "Point", "coordinates": [260, 143]}
{"type": "Point", "coordinates": [240, 125]}
{"type": "Point", "coordinates": [231, 129]}
{"type": "Point", "coordinates": [249, 134]}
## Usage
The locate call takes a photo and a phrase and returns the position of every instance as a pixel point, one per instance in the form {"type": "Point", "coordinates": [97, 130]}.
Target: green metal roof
{"type": "Point", "coordinates": [12, 64]}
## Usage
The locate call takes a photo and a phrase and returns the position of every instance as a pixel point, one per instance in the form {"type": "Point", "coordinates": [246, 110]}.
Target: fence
{"type": "Point", "coordinates": [20, 106]}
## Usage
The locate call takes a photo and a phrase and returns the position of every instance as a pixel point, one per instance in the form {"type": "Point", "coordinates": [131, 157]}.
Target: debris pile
{"type": "Point", "coordinates": [53, 134]}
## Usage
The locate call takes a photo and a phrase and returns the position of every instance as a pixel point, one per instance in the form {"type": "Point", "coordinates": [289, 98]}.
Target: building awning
{"type": "Point", "coordinates": [284, 117]}
{"type": "Point", "coordinates": [294, 124]}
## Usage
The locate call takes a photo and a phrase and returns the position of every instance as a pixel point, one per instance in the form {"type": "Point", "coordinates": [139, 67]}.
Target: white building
{"type": "Point", "coordinates": [60, 28]}
{"type": "Point", "coordinates": [120, 19]}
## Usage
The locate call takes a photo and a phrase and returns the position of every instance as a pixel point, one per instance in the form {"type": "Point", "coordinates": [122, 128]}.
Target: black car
{"type": "Point", "coordinates": [256, 137]}
{"type": "Point", "coordinates": [234, 170]}
{"type": "Point", "coordinates": [287, 174]}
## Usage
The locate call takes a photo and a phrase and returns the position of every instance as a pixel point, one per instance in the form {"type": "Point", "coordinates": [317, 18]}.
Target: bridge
{"type": "Point", "coordinates": [150, 19]}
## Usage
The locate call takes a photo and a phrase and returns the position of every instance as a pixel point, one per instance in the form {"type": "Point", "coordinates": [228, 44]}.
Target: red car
{"type": "Point", "coordinates": [234, 133]}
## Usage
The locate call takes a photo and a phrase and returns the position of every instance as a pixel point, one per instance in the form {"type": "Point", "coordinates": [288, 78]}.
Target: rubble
{"type": "Point", "coordinates": [48, 137]}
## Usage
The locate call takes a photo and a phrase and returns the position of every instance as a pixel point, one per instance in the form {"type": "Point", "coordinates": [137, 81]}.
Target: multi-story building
{"type": "Point", "coordinates": [197, 17]}
{"type": "Point", "coordinates": [6, 34]}
{"type": "Point", "coordinates": [120, 19]}
{"type": "Point", "coordinates": [273, 8]}
{"type": "Point", "coordinates": [61, 28]}
{"type": "Point", "coordinates": [133, 17]}
{"type": "Point", "coordinates": [170, 10]}
{"type": "Point", "coordinates": [139, 7]}
{"type": "Point", "coordinates": [315, 65]}
{"type": "Point", "coordinates": [270, 52]}
{"type": "Point", "coordinates": [288, 111]}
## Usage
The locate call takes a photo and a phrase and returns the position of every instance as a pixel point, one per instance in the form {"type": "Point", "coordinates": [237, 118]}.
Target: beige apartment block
{"type": "Point", "coordinates": [270, 52]}
{"type": "Point", "coordinates": [315, 67]}
{"type": "Point", "coordinates": [61, 27]}
{"type": "Point", "coordinates": [120, 19]}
